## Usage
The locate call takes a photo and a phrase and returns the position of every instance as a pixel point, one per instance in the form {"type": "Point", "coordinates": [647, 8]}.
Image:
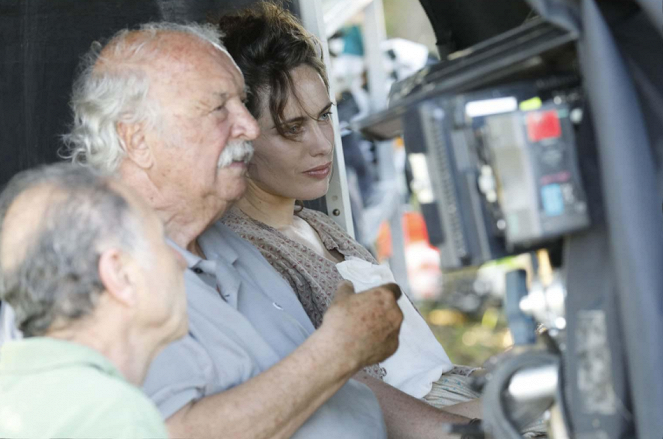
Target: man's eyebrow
{"type": "Point", "coordinates": [223, 96]}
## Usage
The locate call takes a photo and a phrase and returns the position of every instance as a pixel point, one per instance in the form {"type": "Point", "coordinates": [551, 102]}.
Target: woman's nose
{"type": "Point", "coordinates": [323, 141]}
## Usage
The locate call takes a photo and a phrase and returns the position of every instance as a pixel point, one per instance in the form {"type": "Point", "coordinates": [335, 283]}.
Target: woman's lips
{"type": "Point", "coordinates": [320, 172]}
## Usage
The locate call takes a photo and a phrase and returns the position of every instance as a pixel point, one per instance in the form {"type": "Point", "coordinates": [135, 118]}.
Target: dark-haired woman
{"type": "Point", "coordinates": [289, 96]}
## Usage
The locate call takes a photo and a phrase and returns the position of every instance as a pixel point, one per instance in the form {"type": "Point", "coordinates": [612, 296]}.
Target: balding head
{"type": "Point", "coordinates": [25, 220]}
{"type": "Point", "coordinates": [114, 86]}
{"type": "Point", "coordinates": [164, 107]}
{"type": "Point", "coordinates": [54, 223]}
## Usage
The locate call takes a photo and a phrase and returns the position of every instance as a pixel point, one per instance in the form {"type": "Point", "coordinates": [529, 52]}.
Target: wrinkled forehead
{"type": "Point", "coordinates": [191, 51]}
{"type": "Point", "coordinates": [196, 74]}
{"type": "Point", "coordinates": [166, 55]}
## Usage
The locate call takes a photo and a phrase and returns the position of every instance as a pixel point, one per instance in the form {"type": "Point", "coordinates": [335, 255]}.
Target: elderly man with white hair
{"type": "Point", "coordinates": [163, 108]}
{"type": "Point", "coordinates": [97, 292]}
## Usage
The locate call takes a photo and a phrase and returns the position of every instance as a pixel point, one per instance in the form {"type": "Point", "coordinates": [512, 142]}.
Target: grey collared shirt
{"type": "Point", "coordinates": [244, 318]}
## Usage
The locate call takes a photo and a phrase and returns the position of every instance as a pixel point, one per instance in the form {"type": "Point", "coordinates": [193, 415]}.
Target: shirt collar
{"type": "Point", "coordinates": [221, 257]}
{"type": "Point", "coordinates": [216, 246]}
{"type": "Point", "coordinates": [46, 353]}
{"type": "Point", "coordinates": [210, 241]}
{"type": "Point", "coordinates": [191, 259]}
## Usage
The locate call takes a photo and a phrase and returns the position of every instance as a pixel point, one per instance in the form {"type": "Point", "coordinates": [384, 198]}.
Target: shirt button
{"type": "Point", "coordinates": [277, 306]}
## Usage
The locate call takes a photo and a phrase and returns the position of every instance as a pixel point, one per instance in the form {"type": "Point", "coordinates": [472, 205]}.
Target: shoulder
{"type": "Point", "coordinates": [137, 428]}
{"type": "Point", "coordinates": [254, 234]}
{"type": "Point", "coordinates": [133, 414]}
{"type": "Point", "coordinates": [234, 218]}
{"type": "Point", "coordinates": [237, 222]}
{"type": "Point", "coordinates": [333, 234]}
{"type": "Point", "coordinates": [89, 404]}
{"type": "Point", "coordinates": [98, 394]}
{"type": "Point", "coordinates": [322, 222]}
{"type": "Point", "coordinates": [234, 232]}
{"type": "Point", "coordinates": [115, 394]}
{"type": "Point", "coordinates": [316, 215]}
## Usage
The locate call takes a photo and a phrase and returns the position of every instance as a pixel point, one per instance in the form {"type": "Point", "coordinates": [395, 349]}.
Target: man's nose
{"type": "Point", "coordinates": [244, 126]}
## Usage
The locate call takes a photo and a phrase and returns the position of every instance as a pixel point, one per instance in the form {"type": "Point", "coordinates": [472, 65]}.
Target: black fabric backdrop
{"type": "Point", "coordinates": [41, 42]}
{"type": "Point", "coordinates": [459, 24]}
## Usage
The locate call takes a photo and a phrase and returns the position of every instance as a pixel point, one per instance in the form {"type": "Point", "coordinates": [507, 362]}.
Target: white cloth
{"type": "Point", "coordinates": [420, 359]}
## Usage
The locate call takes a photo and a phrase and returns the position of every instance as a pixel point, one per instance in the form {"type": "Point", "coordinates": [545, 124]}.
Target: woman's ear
{"type": "Point", "coordinates": [133, 140]}
{"type": "Point", "coordinates": [118, 276]}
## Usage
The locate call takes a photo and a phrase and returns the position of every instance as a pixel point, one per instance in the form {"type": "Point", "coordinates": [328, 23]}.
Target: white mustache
{"type": "Point", "coordinates": [235, 151]}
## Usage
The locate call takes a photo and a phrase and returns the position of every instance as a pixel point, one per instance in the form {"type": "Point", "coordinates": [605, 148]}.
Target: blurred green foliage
{"type": "Point", "coordinates": [468, 340]}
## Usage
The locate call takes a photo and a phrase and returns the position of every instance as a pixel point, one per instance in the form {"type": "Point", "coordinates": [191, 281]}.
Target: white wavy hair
{"type": "Point", "coordinates": [118, 93]}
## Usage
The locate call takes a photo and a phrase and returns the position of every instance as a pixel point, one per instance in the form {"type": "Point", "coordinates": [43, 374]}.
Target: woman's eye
{"type": "Point", "coordinates": [294, 129]}
{"type": "Point", "coordinates": [326, 116]}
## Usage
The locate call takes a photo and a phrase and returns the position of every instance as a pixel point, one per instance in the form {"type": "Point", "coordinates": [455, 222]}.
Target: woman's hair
{"type": "Point", "coordinates": [267, 43]}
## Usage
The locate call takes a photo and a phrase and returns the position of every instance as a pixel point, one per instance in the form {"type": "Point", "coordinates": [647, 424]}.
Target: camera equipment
{"type": "Point", "coordinates": [497, 180]}
{"type": "Point", "coordinates": [553, 132]}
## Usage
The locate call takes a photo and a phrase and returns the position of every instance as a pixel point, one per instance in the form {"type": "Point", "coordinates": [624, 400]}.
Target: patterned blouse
{"type": "Point", "coordinates": [313, 277]}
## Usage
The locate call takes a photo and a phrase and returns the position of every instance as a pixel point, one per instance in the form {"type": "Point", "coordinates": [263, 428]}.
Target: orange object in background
{"type": "Point", "coordinates": [383, 245]}
{"type": "Point", "coordinates": [421, 258]}
{"type": "Point", "coordinates": [414, 228]}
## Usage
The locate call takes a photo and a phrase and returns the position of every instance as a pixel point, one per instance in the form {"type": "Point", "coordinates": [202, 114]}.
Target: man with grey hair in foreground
{"type": "Point", "coordinates": [97, 293]}
{"type": "Point", "coordinates": [163, 108]}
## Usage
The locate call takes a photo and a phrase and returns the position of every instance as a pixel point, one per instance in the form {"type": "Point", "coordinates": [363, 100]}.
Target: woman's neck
{"type": "Point", "coordinates": [273, 210]}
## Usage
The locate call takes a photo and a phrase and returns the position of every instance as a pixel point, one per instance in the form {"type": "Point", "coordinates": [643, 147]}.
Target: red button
{"type": "Point", "coordinates": [543, 125]}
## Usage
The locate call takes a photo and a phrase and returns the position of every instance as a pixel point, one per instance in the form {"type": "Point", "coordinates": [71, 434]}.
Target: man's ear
{"type": "Point", "coordinates": [118, 276]}
{"type": "Point", "coordinates": [132, 136]}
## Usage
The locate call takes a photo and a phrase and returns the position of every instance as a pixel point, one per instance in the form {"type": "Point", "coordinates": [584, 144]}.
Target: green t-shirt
{"type": "Point", "coordinates": [56, 389]}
